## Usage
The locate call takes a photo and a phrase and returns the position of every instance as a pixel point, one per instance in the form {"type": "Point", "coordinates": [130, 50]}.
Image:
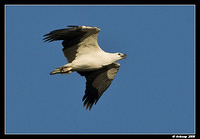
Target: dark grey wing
{"type": "Point", "coordinates": [73, 39]}
{"type": "Point", "coordinates": [97, 83]}
{"type": "Point", "coordinates": [71, 36]}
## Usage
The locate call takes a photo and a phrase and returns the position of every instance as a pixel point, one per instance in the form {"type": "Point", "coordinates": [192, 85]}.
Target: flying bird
{"type": "Point", "coordinates": [84, 56]}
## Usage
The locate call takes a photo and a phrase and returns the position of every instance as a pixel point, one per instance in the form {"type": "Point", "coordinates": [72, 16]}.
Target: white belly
{"type": "Point", "coordinates": [86, 63]}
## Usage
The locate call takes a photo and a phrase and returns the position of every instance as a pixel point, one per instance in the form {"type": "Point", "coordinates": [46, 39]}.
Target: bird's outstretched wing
{"type": "Point", "coordinates": [97, 83]}
{"type": "Point", "coordinates": [77, 40]}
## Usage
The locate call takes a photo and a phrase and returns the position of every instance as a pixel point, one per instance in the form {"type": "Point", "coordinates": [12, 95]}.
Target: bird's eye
{"type": "Point", "coordinates": [119, 54]}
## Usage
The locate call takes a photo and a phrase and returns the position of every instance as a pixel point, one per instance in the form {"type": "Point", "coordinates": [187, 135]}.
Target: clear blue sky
{"type": "Point", "coordinates": [153, 92]}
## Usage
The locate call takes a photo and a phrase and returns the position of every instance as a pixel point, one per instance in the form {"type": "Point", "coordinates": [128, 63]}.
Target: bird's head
{"type": "Point", "coordinates": [120, 56]}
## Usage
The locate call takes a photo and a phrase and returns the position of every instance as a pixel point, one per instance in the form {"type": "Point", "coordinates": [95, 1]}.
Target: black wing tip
{"type": "Point", "coordinates": [88, 106]}
{"type": "Point", "coordinates": [47, 38]}
{"type": "Point", "coordinates": [89, 101]}
{"type": "Point", "coordinates": [73, 26]}
{"type": "Point", "coordinates": [60, 34]}
{"type": "Point", "coordinates": [66, 33]}
{"type": "Point", "coordinates": [54, 35]}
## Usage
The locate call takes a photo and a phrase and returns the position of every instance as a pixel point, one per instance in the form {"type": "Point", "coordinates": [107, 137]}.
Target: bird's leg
{"type": "Point", "coordinates": [66, 69]}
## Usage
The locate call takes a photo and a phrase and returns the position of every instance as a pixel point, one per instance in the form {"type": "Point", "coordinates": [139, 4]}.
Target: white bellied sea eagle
{"type": "Point", "coordinates": [86, 57]}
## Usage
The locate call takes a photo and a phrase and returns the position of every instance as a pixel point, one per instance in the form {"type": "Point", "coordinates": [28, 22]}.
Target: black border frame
{"type": "Point", "coordinates": [136, 2]}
